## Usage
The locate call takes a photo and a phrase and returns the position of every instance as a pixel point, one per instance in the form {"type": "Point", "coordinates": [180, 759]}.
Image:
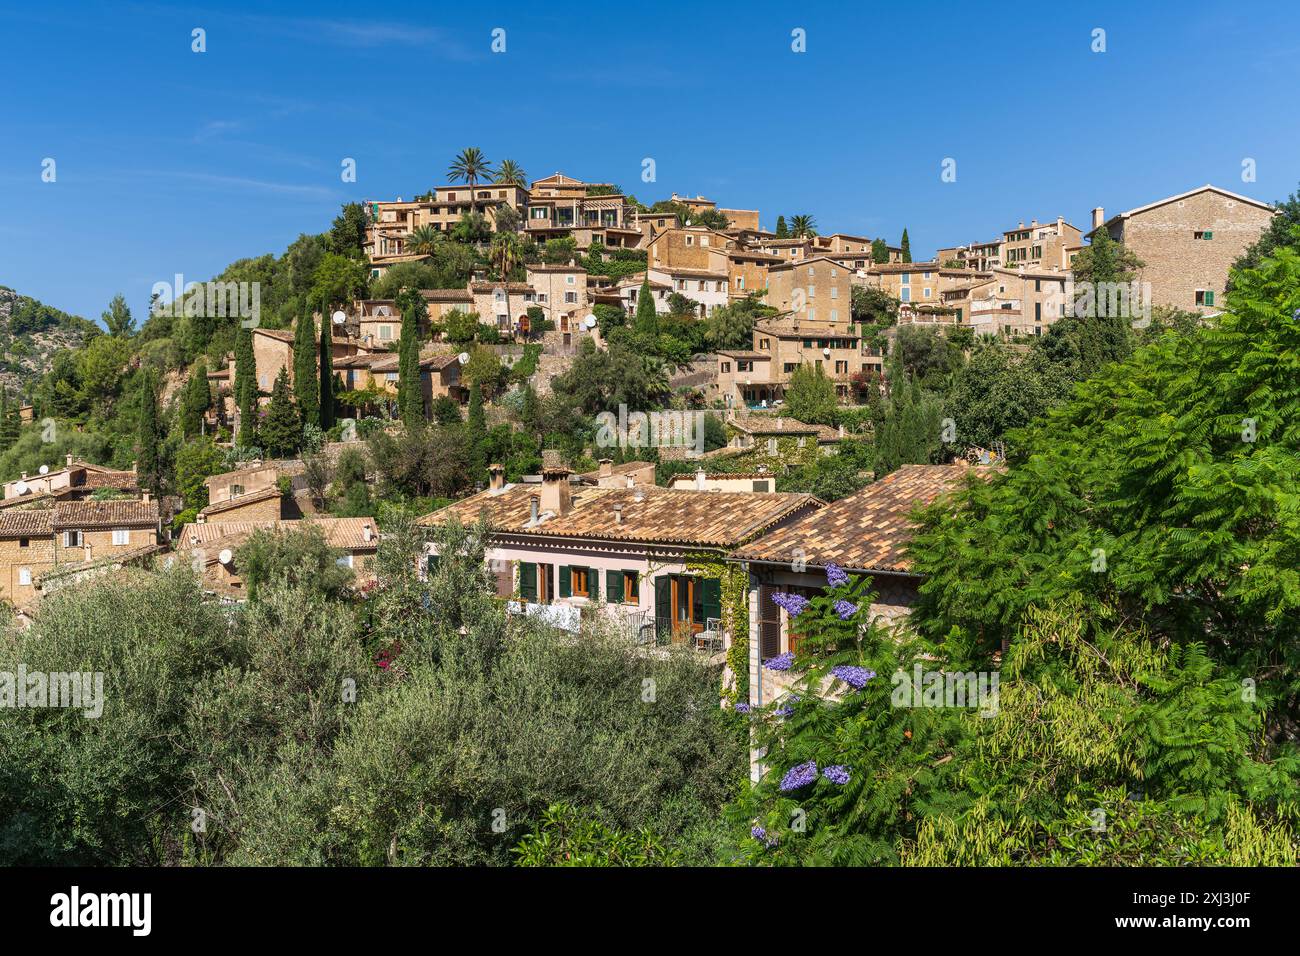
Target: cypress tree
{"type": "Point", "coordinates": [326, 374]}
{"type": "Point", "coordinates": [306, 385]}
{"type": "Point", "coordinates": [782, 230]}
{"type": "Point", "coordinates": [476, 426]}
{"type": "Point", "coordinates": [282, 432]}
{"type": "Point", "coordinates": [148, 465]}
{"type": "Point", "coordinates": [907, 248]}
{"type": "Point", "coordinates": [647, 319]}
{"type": "Point", "coordinates": [245, 386]}
{"type": "Point", "coordinates": [410, 396]}
{"type": "Point", "coordinates": [195, 400]}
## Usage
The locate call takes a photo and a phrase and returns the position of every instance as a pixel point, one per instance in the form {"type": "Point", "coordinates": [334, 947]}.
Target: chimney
{"type": "Point", "coordinates": [631, 481]}
{"type": "Point", "coordinates": [618, 514]}
{"type": "Point", "coordinates": [199, 518]}
{"type": "Point", "coordinates": [1033, 224]}
{"type": "Point", "coordinates": [24, 477]}
{"type": "Point", "coordinates": [69, 461]}
{"type": "Point", "coordinates": [367, 532]}
{"type": "Point", "coordinates": [145, 496]}
{"type": "Point", "coordinates": [606, 467]}
{"type": "Point", "coordinates": [1022, 224]}
{"type": "Point", "coordinates": [1098, 217]}
{"type": "Point", "coordinates": [496, 478]}
{"type": "Point", "coordinates": [555, 490]}
{"type": "Point", "coordinates": [533, 502]}
{"type": "Point", "coordinates": [699, 479]}
{"type": "Point", "coordinates": [1060, 225]}
{"type": "Point", "coordinates": [133, 467]}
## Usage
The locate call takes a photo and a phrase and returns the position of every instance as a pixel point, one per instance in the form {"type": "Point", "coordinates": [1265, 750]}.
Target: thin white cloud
{"type": "Point", "coordinates": [240, 182]}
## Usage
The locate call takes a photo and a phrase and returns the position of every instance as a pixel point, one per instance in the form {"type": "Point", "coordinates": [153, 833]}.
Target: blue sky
{"type": "Point", "coordinates": [171, 161]}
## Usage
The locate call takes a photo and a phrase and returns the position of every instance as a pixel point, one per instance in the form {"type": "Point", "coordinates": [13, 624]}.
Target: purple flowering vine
{"type": "Point", "coordinates": [845, 609]}
{"type": "Point", "coordinates": [799, 776]}
{"type": "Point", "coordinates": [856, 677]}
{"type": "Point", "coordinates": [782, 662]}
{"type": "Point", "coordinates": [835, 576]}
{"type": "Point", "coordinates": [794, 604]}
{"type": "Point", "coordinates": [785, 710]}
{"type": "Point", "coordinates": [758, 833]}
{"type": "Point", "coordinates": [741, 707]}
{"type": "Point", "coordinates": [838, 774]}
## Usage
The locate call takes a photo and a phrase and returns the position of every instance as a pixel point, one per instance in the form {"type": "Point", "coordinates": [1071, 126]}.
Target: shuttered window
{"type": "Point", "coordinates": [528, 581]}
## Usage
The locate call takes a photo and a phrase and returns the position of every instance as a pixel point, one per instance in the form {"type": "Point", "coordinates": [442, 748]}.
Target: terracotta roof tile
{"type": "Point", "coordinates": [239, 501]}
{"type": "Point", "coordinates": [652, 515]}
{"type": "Point", "coordinates": [867, 531]}
{"type": "Point", "coordinates": [347, 534]}
{"type": "Point", "coordinates": [27, 523]}
{"type": "Point", "coordinates": [105, 514]}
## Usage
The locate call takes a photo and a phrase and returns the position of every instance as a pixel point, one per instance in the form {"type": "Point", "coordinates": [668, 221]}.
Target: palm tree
{"type": "Point", "coordinates": [803, 227]}
{"type": "Point", "coordinates": [468, 166]}
{"type": "Point", "coordinates": [504, 254]}
{"type": "Point", "coordinates": [423, 240]}
{"type": "Point", "coordinates": [510, 173]}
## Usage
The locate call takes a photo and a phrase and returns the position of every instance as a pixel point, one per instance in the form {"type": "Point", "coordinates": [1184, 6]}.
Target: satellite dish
{"type": "Point", "coordinates": [462, 358]}
{"type": "Point", "coordinates": [826, 352]}
{"type": "Point", "coordinates": [340, 317]}
{"type": "Point", "coordinates": [21, 487]}
{"type": "Point", "coordinates": [44, 469]}
{"type": "Point", "coordinates": [591, 322]}
{"type": "Point", "coordinates": [225, 556]}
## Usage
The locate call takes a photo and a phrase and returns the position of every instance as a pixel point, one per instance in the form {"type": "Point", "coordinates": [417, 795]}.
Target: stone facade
{"type": "Point", "coordinates": [1188, 242]}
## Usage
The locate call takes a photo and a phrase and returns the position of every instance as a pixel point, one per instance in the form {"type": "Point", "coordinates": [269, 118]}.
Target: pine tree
{"type": "Point", "coordinates": [245, 386]}
{"type": "Point", "coordinates": [782, 230]}
{"type": "Point", "coordinates": [647, 319]}
{"type": "Point", "coordinates": [907, 248]}
{"type": "Point", "coordinates": [148, 462]}
{"type": "Point", "coordinates": [282, 431]}
{"type": "Point", "coordinates": [306, 384]}
{"type": "Point", "coordinates": [326, 374]}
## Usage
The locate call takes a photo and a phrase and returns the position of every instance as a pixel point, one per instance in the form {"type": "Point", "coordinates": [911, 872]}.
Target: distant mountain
{"type": "Point", "coordinates": [30, 335]}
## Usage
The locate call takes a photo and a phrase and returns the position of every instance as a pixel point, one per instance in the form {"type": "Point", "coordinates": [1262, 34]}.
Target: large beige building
{"type": "Point", "coordinates": [1188, 242]}
{"type": "Point", "coordinates": [817, 289]}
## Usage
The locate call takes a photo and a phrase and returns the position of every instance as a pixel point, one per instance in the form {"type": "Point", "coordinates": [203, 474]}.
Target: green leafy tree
{"type": "Point", "coordinates": [810, 396]}
{"type": "Point", "coordinates": [196, 461]}
{"type": "Point", "coordinates": [9, 426]}
{"type": "Point", "coordinates": [347, 235]}
{"type": "Point", "coordinates": [879, 251]}
{"type": "Point", "coordinates": [148, 454]}
{"type": "Point", "coordinates": [909, 429]}
{"type": "Point", "coordinates": [476, 431]}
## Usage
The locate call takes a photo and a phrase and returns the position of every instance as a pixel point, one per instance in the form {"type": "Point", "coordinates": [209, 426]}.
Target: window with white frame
{"type": "Point", "coordinates": [121, 536]}
{"type": "Point", "coordinates": [72, 539]}
{"type": "Point", "coordinates": [24, 575]}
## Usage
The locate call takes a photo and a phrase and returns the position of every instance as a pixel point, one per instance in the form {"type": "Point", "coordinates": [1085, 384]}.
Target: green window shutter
{"type": "Point", "coordinates": [663, 603]}
{"type": "Point", "coordinates": [431, 564]}
{"type": "Point", "coordinates": [528, 581]}
{"type": "Point", "coordinates": [1209, 298]}
{"type": "Point", "coordinates": [614, 587]}
{"type": "Point", "coordinates": [1209, 234]}
{"type": "Point", "coordinates": [712, 590]}
{"type": "Point", "coordinates": [566, 581]}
